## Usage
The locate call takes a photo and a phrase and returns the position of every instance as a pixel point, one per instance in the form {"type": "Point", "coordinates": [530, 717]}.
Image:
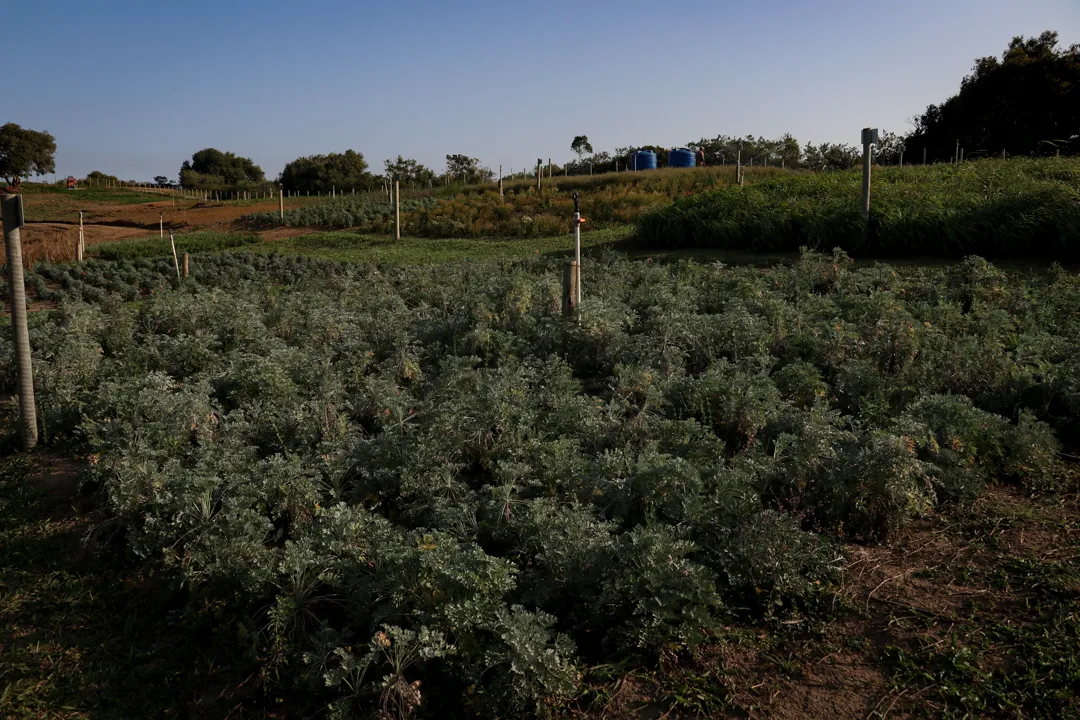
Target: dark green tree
{"type": "Point", "coordinates": [467, 169]}
{"type": "Point", "coordinates": [323, 173]}
{"type": "Point", "coordinates": [161, 180]}
{"type": "Point", "coordinates": [1026, 103]}
{"type": "Point", "coordinates": [213, 169]}
{"type": "Point", "coordinates": [581, 145]}
{"type": "Point", "coordinates": [25, 152]}
{"type": "Point", "coordinates": [411, 173]}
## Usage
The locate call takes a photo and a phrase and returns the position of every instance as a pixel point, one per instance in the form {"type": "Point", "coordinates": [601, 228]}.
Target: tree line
{"type": "Point", "coordinates": [1027, 102]}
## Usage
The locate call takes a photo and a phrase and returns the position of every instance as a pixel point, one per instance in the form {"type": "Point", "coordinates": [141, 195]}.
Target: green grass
{"type": "Point", "coordinates": [1012, 652]}
{"type": "Point", "coordinates": [90, 195]}
{"type": "Point", "coordinates": [154, 246]}
{"type": "Point", "coordinates": [995, 208]}
{"type": "Point", "coordinates": [85, 631]}
{"type": "Point", "coordinates": [359, 247]}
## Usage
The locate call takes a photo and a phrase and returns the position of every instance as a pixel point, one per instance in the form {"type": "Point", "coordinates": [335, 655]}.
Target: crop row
{"type": "Point", "coordinates": [416, 483]}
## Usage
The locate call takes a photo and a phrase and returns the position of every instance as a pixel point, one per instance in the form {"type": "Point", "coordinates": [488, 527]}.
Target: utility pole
{"type": "Point", "coordinates": [24, 372]}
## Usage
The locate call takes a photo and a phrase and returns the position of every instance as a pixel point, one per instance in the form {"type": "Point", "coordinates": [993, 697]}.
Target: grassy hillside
{"type": "Point", "coordinates": [607, 201]}
{"type": "Point", "coordinates": [999, 208]}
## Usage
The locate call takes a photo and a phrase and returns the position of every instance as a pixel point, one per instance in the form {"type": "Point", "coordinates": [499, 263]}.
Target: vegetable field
{"type": "Point", "coordinates": [420, 490]}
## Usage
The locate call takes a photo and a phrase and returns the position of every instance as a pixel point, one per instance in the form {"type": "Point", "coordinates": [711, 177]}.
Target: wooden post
{"type": "Point", "coordinates": [738, 167]}
{"type": "Point", "coordinates": [924, 156]}
{"type": "Point", "coordinates": [961, 154]}
{"type": "Point", "coordinates": [175, 261]}
{"type": "Point", "coordinates": [570, 288]}
{"type": "Point", "coordinates": [500, 182]}
{"type": "Point", "coordinates": [161, 225]}
{"type": "Point", "coordinates": [397, 209]}
{"type": "Point", "coordinates": [24, 371]}
{"type": "Point", "coordinates": [186, 267]}
{"type": "Point", "coordinates": [956, 153]}
{"type": "Point", "coordinates": [539, 169]}
{"type": "Point", "coordinates": [549, 167]}
{"type": "Point", "coordinates": [80, 248]}
{"type": "Point", "coordinates": [281, 202]}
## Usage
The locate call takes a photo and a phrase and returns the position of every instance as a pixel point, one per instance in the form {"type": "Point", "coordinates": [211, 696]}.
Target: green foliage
{"type": "Point", "coordinates": [325, 173]}
{"type": "Point", "coordinates": [1026, 103]}
{"type": "Point", "coordinates": [156, 247]}
{"type": "Point", "coordinates": [1014, 208]}
{"type": "Point", "coordinates": [467, 170]}
{"type": "Point", "coordinates": [581, 145]}
{"type": "Point", "coordinates": [607, 201]}
{"type": "Point", "coordinates": [211, 169]}
{"type": "Point", "coordinates": [421, 483]}
{"type": "Point", "coordinates": [25, 152]}
{"type": "Point", "coordinates": [410, 173]}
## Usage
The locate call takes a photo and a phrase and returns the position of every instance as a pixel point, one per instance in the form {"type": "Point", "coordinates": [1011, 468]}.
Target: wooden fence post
{"type": "Point", "coordinates": [571, 282]}
{"type": "Point", "coordinates": [186, 267]}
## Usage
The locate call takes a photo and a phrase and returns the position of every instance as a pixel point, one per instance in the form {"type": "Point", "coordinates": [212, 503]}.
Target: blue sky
{"type": "Point", "coordinates": [133, 88]}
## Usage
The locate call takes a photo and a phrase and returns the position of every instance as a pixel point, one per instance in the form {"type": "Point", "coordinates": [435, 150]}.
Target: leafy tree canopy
{"type": "Point", "coordinates": [581, 145]}
{"type": "Point", "coordinates": [411, 173]}
{"type": "Point", "coordinates": [467, 169]}
{"type": "Point", "coordinates": [25, 152]}
{"type": "Point", "coordinates": [323, 173]}
{"type": "Point", "coordinates": [213, 169]}
{"type": "Point", "coordinates": [1026, 103]}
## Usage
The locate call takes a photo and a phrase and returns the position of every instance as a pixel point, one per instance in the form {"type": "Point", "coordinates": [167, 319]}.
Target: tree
{"type": "Point", "coordinates": [1028, 102]}
{"type": "Point", "coordinates": [411, 173]}
{"type": "Point", "coordinates": [581, 145]}
{"type": "Point", "coordinates": [324, 173]}
{"type": "Point", "coordinates": [161, 180]}
{"type": "Point", "coordinates": [467, 169]}
{"type": "Point", "coordinates": [216, 170]}
{"type": "Point", "coordinates": [25, 152]}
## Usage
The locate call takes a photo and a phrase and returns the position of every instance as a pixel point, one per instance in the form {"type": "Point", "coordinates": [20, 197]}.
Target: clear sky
{"type": "Point", "coordinates": [133, 88]}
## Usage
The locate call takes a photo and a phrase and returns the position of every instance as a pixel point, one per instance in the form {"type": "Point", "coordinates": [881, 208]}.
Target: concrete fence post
{"type": "Point", "coordinates": [24, 372]}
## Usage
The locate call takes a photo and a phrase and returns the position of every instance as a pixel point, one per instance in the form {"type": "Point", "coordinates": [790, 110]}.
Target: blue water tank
{"type": "Point", "coordinates": [643, 160]}
{"type": "Point", "coordinates": [681, 157]}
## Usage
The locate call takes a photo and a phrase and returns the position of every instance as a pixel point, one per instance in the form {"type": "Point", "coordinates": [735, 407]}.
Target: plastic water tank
{"type": "Point", "coordinates": [643, 160]}
{"type": "Point", "coordinates": [682, 157]}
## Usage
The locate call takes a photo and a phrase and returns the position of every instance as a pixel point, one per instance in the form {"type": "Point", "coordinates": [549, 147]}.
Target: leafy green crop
{"type": "Point", "coordinates": [418, 483]}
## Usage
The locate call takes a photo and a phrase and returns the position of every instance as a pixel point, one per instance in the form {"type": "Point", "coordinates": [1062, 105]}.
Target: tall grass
{"type": "Point", "coordinates": [607, 201]}
{"type": "Point", "coordinates": [1000, 208]}
{"type": "Point", "coordinates": [160, 247]}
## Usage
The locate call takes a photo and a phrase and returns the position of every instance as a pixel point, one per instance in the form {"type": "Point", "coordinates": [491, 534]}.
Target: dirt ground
{"type": "Point", "coordinates": [54, 238]}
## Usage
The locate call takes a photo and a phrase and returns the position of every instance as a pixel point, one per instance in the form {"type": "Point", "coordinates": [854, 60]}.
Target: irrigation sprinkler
{"type": "Point", "coordinates": [571, 298]}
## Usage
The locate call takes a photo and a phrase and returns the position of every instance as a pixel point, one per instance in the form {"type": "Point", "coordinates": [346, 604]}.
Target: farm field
{"type": "Point", "coordinates": [766, 491]}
